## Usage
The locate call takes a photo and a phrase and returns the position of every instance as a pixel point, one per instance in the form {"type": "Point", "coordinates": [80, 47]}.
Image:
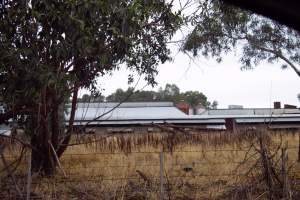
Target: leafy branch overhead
{"type": "Point", "coordinates": [55, 44]}
{"type": "Point", "coordinates": [220, 28]}
{"type": "Point", "coordinates": [51, 49]}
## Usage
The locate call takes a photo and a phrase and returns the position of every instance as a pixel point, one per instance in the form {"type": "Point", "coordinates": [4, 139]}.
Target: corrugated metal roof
{"type": "Point", "coordinates": [273, 119]}
{"type": "Point", "coordinates": [190, 120]}
{"type": "Point", "coordinates": [134, 113]}
{"type": "Point", "coordinates": [165, 112]}
{"type": "Point", "coordinates": [251, 111]}
{"type": "Point", "coordinates": [153, 121]}
{"type": "Point", "coordinates": [129, 111]}
{"type": "Point", "coordinates": [285, 126]}
{"type": "Point", "coordinates": [125, 104]}
{"type": "Point", "coordinates": [4, 130]}
{"type": "Point", "coordinates": [245, 116]}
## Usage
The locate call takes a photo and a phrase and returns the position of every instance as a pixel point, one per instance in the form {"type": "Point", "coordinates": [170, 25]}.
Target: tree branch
{"type": "Point", "coordinates": [62, 147]}
{"type": "Point", "coordinates": [279, 55]}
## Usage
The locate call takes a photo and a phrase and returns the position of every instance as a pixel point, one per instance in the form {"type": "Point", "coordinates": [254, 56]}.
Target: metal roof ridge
{"type": "Point", "coordinates": [125, 104]}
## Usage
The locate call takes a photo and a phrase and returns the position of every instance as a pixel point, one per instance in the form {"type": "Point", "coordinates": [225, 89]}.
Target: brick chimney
{"type": "Point", "coordinates": [184, 107]}
{"type": "Point", "coordinates": [277, 105]}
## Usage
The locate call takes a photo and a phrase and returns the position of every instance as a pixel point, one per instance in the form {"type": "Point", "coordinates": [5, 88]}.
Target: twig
{"type": "Point", "coordinates": [57, 160]}
{"type": "Point", "coordinates": [260, 195]}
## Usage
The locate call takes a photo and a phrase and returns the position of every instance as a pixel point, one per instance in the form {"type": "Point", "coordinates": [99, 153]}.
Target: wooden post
{"type": "Point", "coordinates": [284, 159]}
{"type": "Point", "coordinates": [266, 167]}
{"type": "Point", "coordinates": [161, 162]}
{"type": "Point", "coordinates": [299, 148]}
{"type": "Point", "coordinates": [28, 187]}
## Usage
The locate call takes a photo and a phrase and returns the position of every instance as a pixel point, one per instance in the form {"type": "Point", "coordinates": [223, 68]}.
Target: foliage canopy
{"type": "Point", "coordinates": [220, 28]}
{"type": "Point", "coordinates": [56, 44]}
{"type": "Point", "coordinates": [171, 92]}
{"type": "Point", "coordinates": [51, 49]}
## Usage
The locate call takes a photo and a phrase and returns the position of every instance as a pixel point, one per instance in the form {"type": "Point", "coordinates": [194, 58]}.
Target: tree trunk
{"type": "Point", "coordinates": [43, 162]}
{"type": "Point", "coordinates": [42, 157]}
{"type": "Point", "coordinates": [63, 146]}
{"type": "Point", "coordinates": [45, 128]}
{"type": "Point", "coordinates": [194, 109]}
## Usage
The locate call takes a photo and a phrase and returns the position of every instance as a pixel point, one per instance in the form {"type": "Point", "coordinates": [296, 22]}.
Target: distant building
{"type": "Point", "coordinates": [127, 112]}
{"type": "Point", "coordinates": [133, 114]}
{"type": "Point", "coordinates": [235, 107]}
{"type": "Point", "coordinates": [184, 107]}
{"type": "Point", "coordinates": [141, 116]}
{"type": "Point", "coordinates": [287, 117]}
{"type": "Point", "coordinates": [197, 110]}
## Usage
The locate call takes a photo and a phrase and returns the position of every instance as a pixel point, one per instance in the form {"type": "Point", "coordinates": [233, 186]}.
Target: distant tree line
{"type": "Point", "coordinates": [171, 92]}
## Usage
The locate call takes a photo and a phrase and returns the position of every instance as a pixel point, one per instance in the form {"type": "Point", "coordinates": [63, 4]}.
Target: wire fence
{"type": "Point", "coordinates": [215, 167]}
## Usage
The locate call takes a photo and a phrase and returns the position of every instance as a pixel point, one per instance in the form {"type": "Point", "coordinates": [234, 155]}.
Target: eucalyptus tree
{"type": "Point", "coordinates": [194, 99]}
{"type": "Point", "coordinates": [51, 49]}
{"type": "Point", "coordinates": [219, 28]}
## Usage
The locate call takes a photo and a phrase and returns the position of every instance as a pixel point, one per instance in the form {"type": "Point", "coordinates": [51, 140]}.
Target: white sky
{"type": "Point", "coordinates": [224, 82]}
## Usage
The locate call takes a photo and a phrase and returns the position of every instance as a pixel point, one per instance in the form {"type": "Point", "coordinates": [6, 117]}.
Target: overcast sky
{"type": "Point", "coordinates": [224, 82]}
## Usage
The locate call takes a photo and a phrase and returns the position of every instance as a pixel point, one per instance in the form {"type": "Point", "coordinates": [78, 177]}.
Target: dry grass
{"type": "Point", "coordinates": [127, 167]}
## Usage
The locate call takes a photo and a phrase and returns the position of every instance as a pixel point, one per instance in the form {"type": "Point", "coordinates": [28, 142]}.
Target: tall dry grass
{"type": "Point", "coordinates": [202, 165]}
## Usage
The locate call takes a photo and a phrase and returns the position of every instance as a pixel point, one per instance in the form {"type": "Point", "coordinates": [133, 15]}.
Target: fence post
{"type": "Point", "coordinates": [161, 164]}
{"type": "Point", "coordinates": [28, 187]}
{"type": "Point", "coordinates": [298, 148]}
{"type": "Point", "coordinates": [266, 167]}
{"type": "Point", "coordinates": [284, 159]}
